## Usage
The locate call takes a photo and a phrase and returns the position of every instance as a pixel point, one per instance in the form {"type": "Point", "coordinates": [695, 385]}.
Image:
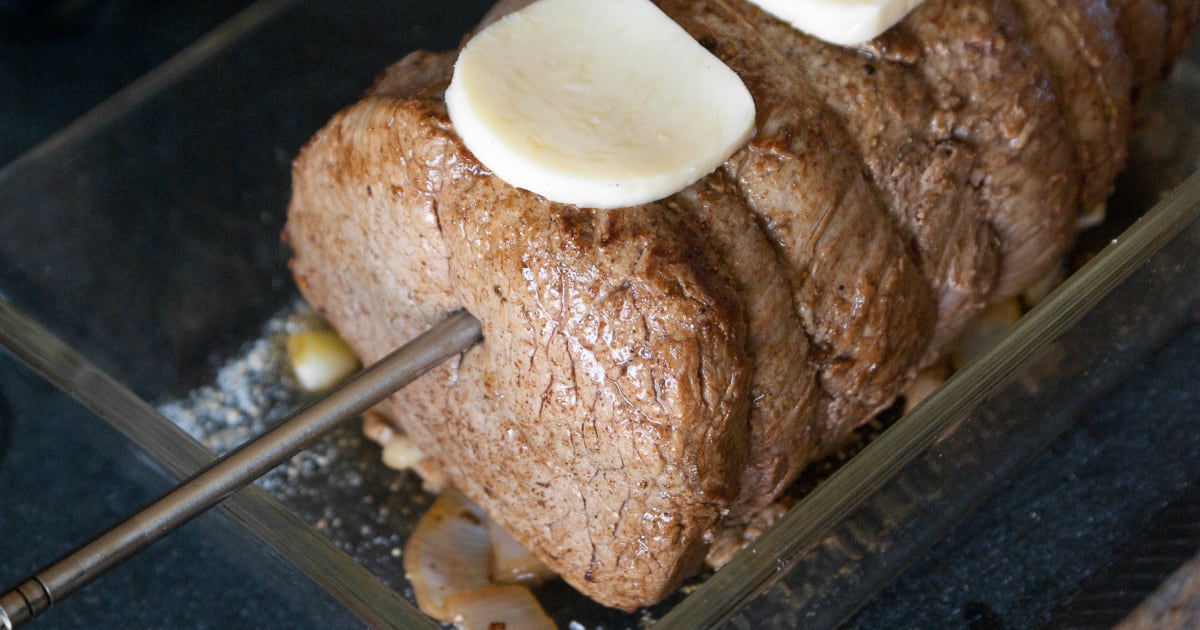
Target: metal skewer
{"type": "Point", "coordinates": [236, 469]}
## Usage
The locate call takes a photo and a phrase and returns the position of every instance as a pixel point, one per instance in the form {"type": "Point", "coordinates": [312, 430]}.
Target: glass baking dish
{"type": "Point", "coordinates": [145, 235]}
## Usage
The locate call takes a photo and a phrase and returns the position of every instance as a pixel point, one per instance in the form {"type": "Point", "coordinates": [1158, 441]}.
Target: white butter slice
{"type": "Point", "coordinates": [597, 103]}
{"type": "Point", "coordinates": [841, 22]}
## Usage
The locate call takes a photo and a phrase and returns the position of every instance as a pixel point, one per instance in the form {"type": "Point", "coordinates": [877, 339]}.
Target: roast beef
{"type": "Point", "coordinates": [651, 376]}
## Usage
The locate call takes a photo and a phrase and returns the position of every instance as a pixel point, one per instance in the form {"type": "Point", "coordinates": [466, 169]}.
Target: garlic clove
{"type": "Point", "coordinates": [376, 427]}
{"type": "Point", "coordinates": [401, 453]}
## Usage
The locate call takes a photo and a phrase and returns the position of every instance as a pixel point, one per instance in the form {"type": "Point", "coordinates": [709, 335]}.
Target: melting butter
{"type": "Point", "coordinates": [841, 22]}
{"type": "Point", "coordinates": [601, 104]}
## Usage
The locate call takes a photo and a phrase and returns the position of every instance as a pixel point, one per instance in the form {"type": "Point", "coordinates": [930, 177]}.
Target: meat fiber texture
{"type": "Point", "coordinates": [652, 376]}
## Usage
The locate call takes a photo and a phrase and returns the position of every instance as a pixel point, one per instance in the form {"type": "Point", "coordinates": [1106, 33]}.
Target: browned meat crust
{"type": "Point", "coordinates": [655, 374]}
{"type": "Point", "coordinates": [604, 331]}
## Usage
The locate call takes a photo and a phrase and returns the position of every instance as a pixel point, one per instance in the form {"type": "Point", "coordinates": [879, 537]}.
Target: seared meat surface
{"type": "Point", "coordinates": [653, 375]}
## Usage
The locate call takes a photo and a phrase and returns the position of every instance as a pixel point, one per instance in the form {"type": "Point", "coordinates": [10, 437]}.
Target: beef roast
{"type": "Point", "coordinates": [651, 376]}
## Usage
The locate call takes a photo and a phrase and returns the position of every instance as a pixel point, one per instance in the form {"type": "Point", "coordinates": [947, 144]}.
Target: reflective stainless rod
{"type": "Point", "coordinates": [236, 469]}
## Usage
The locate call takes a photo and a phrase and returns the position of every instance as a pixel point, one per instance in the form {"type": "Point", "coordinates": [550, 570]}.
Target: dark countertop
{"type": "Point", "coordinates": [1068, 514]}
{"type": "Point", "coordinates": [64, 475]}
{"type": "Point", "coordinates": [64, 57]}
{"type": "Point", "coordinates": [1063, 519]}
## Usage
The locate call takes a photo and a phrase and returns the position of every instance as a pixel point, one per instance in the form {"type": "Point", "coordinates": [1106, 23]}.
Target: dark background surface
{"type": "Point", "coordinates": [60, 58]}
{"type": "Point", "coordinates": [1014, 562]}
{"type": "Point", "coordinates": [64, 474]}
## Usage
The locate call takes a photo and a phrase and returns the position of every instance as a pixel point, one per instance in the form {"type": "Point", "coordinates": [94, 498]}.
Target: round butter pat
{"type": "Point", "coordinates": [841, 22]}
{"type": "Point", "coordinates": [600, 104]}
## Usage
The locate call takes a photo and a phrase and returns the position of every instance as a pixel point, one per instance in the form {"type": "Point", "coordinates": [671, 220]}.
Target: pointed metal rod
{"type": "Point", "coordinates": [238, 468]}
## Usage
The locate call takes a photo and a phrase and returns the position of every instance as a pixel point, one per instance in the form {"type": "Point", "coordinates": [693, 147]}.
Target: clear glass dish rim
{"type": "Point", "coordinates": [936, 419]}
{"type": "Point", "coordinates": [178, 453]}
{"type": "Point", "coordinates": [755, 568]}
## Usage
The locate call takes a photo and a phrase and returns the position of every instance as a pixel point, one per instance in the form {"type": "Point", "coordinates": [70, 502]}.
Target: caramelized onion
{"type": "Point", "coordinates": [507, 607]}
{"type": "Point", "coordinates": [320, 359]}
{"type": "Point", "coordinates": [448, 553]}
{"type": "Point", "coordinates": [987, 329]}
{"type": "Point", "coordinates": [512, 563]}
